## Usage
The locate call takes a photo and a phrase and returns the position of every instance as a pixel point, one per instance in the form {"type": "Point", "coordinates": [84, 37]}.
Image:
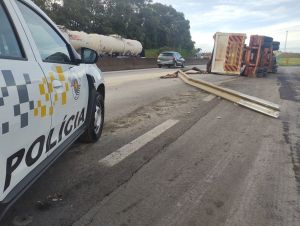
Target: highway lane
{"type": "Point", "coordinates": [114, 78]}
{"type": "Point", "coordinates": [132, 108]}
{"type": "Point", "coordinates": [173, 155]}
{"type": "Point", "coordinates": [131, 89]}
{"type": "Point", "coordinates": [233, 167]}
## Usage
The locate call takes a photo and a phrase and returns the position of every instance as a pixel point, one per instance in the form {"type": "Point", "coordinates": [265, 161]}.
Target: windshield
{"type": "Point", "coordinates": [167, 54]}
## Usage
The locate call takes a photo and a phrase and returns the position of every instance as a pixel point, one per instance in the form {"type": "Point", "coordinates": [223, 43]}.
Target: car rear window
{"type": "Point", "coordinates": [166, 54]}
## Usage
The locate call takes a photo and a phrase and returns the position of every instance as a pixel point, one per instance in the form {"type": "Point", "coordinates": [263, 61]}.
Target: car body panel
{"type": "Point", "coordinates": [41, 125]}
{"type": "Point", "coordinates": [20, 79]}
{"type": "Point", "coordinates": [71, 80]}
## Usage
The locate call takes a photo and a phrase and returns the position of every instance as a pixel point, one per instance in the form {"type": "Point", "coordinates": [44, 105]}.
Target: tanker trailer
{"type": "Point", "coordinates": [116, 44]}
{"type": "Point", "coordinates": [132, 47]}
{"type": "Point", "coordinates": [78, 39]}
{"type": "Point", "coordinates": [99, 43]}
{"type": "Point", "coordinates": [104, 45]}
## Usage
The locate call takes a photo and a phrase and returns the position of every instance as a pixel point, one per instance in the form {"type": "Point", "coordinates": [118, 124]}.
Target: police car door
{"type": "Point", "coordinates": [68, 85]}
{"type": "Point", "coordinates": [23, 130]}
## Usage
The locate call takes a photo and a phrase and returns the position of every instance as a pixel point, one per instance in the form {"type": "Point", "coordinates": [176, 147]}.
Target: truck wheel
{"type": "Point", "coordinates": [159, 65]}
{"type": "Point", "coordinates": [94, 130]}
{"type": "Point", "coordinates": [182, 66]}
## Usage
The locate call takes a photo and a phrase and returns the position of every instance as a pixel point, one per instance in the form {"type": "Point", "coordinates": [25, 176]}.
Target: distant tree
{"type": "Point", "coordinates": [164, 26]}
{"type": "Point", "coordinates": [154, 24]}
{"type": "Point", "coordinates": [45, 5]}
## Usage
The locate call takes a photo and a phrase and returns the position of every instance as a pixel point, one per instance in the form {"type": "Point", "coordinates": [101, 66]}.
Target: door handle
{"type": "Point", "coordinates": [57, 84]}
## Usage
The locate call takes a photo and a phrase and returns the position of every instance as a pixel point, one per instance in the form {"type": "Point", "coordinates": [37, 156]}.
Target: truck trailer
{"type": "Point", "coordinates": [227, 54]}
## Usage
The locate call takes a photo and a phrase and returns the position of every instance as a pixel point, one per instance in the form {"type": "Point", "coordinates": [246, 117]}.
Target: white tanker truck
{"type": "Point", "coordinates": [104, 45]}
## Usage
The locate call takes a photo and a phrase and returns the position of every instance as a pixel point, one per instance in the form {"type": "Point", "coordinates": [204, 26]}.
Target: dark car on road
{"type": "Point", "coordinates": [170, 59]}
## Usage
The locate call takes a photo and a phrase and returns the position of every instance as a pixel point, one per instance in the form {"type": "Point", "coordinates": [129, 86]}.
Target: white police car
{"type": "Point", "coordinates": [49, 96]}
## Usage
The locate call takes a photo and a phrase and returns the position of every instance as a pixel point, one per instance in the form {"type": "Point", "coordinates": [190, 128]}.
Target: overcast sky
{"type": "Point", "coordinates": [264, 17]}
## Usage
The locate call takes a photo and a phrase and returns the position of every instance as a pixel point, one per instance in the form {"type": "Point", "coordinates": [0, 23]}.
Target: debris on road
{"type": "Point", "coordinates": [193, 70]}
{"type": "Point", "coordinates": [22, 220]}
{"type": "Point", "coordinates": [174, 75]}
{"type": "Point", "coordinates": [47, 203]}
{"type": "Point", "coordinates": [43, 205]}
{"type": "Point", "coordinates": [253, 103]}
{"type": "Point", "coordinates": [256, 104]}
{"type": "Point", "coordinates": [55, 197]}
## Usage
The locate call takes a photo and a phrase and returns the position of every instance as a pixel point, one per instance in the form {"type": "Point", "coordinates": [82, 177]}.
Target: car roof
{"type": "Point", "coordinates": [169, 52]}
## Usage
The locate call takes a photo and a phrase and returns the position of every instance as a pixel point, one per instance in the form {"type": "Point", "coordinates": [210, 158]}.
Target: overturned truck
{"type": "Point", "coordinates": [227, 53]}
{"type": "Point", "coordinates": [259, 57]}
{"type": "Point", "coordinates": [231, 55]}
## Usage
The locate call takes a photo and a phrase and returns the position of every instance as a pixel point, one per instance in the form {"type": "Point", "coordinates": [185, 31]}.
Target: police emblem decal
{"type": "Point", "coordinates": [75, 84]}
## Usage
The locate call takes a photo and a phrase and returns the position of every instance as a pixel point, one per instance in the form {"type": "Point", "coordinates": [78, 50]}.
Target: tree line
{"type": "Point", "coordinates": [155, 25]}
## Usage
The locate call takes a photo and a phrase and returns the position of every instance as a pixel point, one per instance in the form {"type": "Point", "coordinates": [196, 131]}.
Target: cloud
{"type": "Point", "coordinates": [264, 17]}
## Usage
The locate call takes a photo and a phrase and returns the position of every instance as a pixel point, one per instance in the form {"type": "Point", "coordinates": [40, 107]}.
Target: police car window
{"type": "Point", "coordinates": [9, 46]}
{"type": "Point", "coordinates": [51, 47]}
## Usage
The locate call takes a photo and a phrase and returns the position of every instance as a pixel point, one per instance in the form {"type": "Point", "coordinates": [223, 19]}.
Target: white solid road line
{"type": "Point", "coordinates": [209, 98]}
{"type": "Point", "coordinates": [118, 80]}
{"type": "Point", "coordinates": [122, 153]}
{"type": "Point", "coordinates": [121, 71]}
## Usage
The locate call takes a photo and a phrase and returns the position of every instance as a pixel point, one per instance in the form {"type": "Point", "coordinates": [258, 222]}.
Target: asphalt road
{"type": "Point", "coordinates": [173, 155]}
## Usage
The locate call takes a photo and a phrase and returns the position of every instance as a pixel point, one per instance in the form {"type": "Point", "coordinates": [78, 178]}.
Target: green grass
{"type": "Point", "coordinates": [288, 61]}
{"type": "Point", "coordinates": [151, 53]}
{"type": "Point", "coordinates": [289, 55]}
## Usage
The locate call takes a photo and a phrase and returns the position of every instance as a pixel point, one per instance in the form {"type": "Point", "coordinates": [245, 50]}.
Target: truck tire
{"type": "Point", "coordinates": [94, 130]}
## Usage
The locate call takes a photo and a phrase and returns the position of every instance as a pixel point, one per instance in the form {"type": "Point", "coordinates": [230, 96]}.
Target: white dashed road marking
{"type": "Point", "coordinates": [122, 153]}
{"type": "Point", "coordinates": [209, 98]}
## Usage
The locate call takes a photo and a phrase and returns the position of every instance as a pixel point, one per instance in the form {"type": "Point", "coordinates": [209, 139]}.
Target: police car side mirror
{"type": "Point", "coordinates": [88, 56]}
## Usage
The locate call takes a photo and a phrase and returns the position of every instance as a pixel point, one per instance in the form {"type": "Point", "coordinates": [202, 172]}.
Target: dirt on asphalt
{"type": "Point", "coordinates": [220, 165]}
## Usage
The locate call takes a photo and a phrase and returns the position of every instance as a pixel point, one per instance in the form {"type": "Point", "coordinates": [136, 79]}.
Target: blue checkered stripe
{"type": "Point", "coordinates": [23, 99]}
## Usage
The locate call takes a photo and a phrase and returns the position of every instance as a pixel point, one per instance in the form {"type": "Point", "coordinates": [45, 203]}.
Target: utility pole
{"type": "Point", "coordinates": [286, 36]}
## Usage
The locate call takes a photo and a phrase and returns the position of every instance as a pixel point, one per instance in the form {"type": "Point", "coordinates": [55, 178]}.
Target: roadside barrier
{"type": "Point", "coordinates": [131, 63]}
